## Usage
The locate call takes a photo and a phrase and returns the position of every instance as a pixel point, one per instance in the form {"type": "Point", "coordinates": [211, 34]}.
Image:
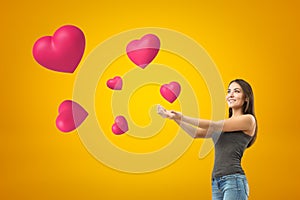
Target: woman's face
{"type": "Point", "coordinates": [235, 96]}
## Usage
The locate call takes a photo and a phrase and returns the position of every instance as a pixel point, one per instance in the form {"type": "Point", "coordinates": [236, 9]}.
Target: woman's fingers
{"type": "Point", "coordinates": [171, 114]}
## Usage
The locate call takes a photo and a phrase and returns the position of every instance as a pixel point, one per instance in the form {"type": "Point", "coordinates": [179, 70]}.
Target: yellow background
{"type": "Point", "coordinates": [257, 41]}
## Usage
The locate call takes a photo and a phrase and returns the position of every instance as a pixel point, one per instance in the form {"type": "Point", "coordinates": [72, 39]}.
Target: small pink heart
{"type": "Point", "coordinates": [61, 52]}
{"type": "Point", "coordinates": [120, 126]}
{"type": "Point", "coordinates": [143, 51]}
{"type": "Point", "coordinates": [170, 91]}
{"type": "Point", "coordinates": [71, 115]}
{"type": "Point", "coordinates": [115, 84]}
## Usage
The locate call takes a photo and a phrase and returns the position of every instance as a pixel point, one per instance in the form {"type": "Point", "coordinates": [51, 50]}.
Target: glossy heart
{"type": "Point", "coordinates": [70, 117]}
{"type": "Point", "coordinates": [143, 51]}
{"type": "Point", "coordinates": [61, 52]}
{"type": "Point", "coordinates": [120, 126]}
{"type": "Point", "coordinates": [170, 91]}
{"type": "Point", "coordinates": [115, 83]}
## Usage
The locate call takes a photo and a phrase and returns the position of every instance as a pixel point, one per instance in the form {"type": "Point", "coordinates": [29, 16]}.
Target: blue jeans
{"type": "Point", "coordinates": [230, 187]}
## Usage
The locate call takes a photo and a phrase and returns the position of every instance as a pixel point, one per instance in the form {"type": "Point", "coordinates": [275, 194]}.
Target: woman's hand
{"type": "Point", "coordinates": [177, 116]}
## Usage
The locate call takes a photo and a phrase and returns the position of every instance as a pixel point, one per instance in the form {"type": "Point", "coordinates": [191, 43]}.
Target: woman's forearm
{"type": "Point", "coordinates": [194, 132]}
{"type": "Point", "coordinates": [201, 123]}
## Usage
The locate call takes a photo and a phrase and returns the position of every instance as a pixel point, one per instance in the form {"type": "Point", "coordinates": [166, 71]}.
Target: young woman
{"type": "Point", "coordinates": [231, 137]}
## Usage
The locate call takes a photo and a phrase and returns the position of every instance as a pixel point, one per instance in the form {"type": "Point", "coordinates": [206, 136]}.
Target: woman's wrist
{"type": "Point", "coordinates": [181, 117]}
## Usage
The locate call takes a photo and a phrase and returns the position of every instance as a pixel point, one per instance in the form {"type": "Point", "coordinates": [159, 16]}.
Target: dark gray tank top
{"type": "Point", "coordinates": [229, 150]}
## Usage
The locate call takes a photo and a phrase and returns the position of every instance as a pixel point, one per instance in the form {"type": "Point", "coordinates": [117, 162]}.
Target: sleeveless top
{"type": "Point", "coordinates": [229, 150]}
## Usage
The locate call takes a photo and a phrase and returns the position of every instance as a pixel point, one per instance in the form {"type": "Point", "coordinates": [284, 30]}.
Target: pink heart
{"type": "Point", "coordinates": [115, 84]}
{"type": "Point", "coordinates": [61, 52]}
{"type": "Point", "coordinates": [170, 91]}
{"type": "Point", "coordinates": [143, 51]}
{"type": "Point", "coordinates": [120, 126]}
{"type": "Point", "coordinates": [71, 115]}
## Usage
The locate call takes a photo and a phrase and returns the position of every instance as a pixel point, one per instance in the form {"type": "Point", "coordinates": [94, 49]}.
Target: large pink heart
{"type": "Point", "coordinates": [170, 91]}
{"type": "Point", "coordinates": [143, 51]}
{"type": "Point", "coordinates": [115, 84]}
{"type": "Point", "coordinates": [71, 115]}
{"type": "Point", "coordinates": [120, 126]}
{"type": "Point", "coordinates": [61, 52]}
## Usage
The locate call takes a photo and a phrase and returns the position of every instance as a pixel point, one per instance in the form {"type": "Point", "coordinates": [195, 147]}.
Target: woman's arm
{"type": "Point", "coordinates": [194, 132]}
{"type": "Point", "coordinates": [243, 122]}
{"type": "Point", "coordinates": [201, 123]}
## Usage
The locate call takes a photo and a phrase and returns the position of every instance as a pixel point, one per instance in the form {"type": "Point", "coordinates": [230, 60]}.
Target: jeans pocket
{"type": "Point", "coordinates": [246, 186]}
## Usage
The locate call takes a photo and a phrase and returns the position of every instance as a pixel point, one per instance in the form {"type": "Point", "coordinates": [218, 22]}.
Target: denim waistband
{"type": "Point", "coordinates": [230, 176]}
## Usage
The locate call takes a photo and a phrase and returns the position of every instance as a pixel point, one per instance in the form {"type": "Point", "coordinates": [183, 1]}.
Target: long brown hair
{"type": "Point", "coordinates": [248, 107]}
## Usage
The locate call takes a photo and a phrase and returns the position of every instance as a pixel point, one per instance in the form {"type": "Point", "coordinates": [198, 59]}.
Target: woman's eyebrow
{"type": "Point", "coordinates": [234, 89]}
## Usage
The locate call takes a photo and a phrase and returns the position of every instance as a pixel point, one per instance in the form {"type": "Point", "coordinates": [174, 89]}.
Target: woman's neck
{"type": "Point", "coordinates": [237, 112]}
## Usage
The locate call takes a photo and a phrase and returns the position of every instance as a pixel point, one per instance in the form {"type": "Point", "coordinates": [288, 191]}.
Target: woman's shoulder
{"type": "Point", "coordinates": [252, 121]}
{"type": "Point", "coordinates": [249, 117]}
